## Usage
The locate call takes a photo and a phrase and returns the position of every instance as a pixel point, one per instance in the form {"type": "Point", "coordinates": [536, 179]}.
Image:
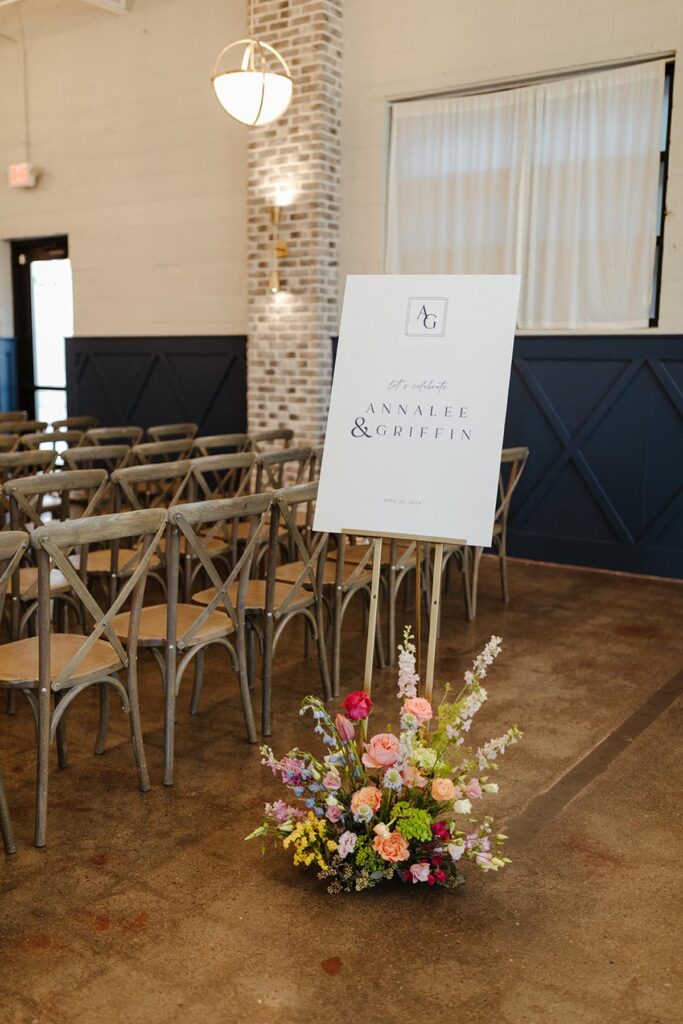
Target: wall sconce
{"type": "Point", "coordinates": [280, 250]}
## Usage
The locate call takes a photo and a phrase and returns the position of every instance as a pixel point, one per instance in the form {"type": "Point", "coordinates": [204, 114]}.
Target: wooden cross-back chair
{"type": "Point", "coordinates": [13, 544]}
{"type": "Point", "coordinates": [13, 414]}
{"type": "Point", "coordinates": [63, 438]}
{"type": "Point", "coordinates": [26, 497]}
{"type": "Point", "coordinates": [75, 423]}
{"type": "Point", "coordinates": [22, 426]}
{"type": "Point", "coordinates": [223, 476]}
{"type": "Point", "coordinates": [158, 485]}
{"type": "Point", "coordinates": [221, 444]}
{"type": "Point", "coordinates": [175, 431]}
{"type": "Point", "coordinates": [178, 633]}
{"type": "Point", "coordinates": [271, 604]}
{"type": "Point", "coordinates": [160, 451]}
{"type": "Point", "coordinates": [18, 464]}
{"type": "Point", "coordinates": [512, 463]}
{"type": "Point", "coordinates": [53, 668]}
{"type": "Point", "coordinates": [265, 440]}
{"type": "Point", "coordinates": [9, 442]}
{"type": "Point", "coordinates": [113, 435]}
{"type": "Point", "coordinates": [285, 468]}
{"type": "Point", "coordinates": [97, 456]}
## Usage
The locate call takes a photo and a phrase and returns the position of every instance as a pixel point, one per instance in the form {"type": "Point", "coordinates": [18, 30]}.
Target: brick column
{"type": "Point", "coordinates": [296, 159]}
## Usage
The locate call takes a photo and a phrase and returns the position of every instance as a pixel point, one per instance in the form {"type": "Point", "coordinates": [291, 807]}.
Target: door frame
{"type": "Point", "coordinates": [23, 252]}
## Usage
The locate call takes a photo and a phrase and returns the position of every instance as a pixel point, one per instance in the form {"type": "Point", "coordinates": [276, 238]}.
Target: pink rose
{"type": "Point", "coordinates": [442, 790]}
{"type": "Point", "coordinates": [344, 727]}
{"type": "Point", "coordinates": [419, 872]}
{"type": "Point", "coordinates": [333, 812]}
{"type": "Point", "coordinates": [420, 708]}
{"type": "Point", "coordinates": [358, 705]}
{"type": "Point", "coordinates": [332, 781]}
{"type": "Point", "coordinates": [473, 789]}
{"type": "Point", "coordinates": [414, 778]}
{"type": "Point", "coordinates": [368, 795]}
{"type": "Point", "coordinates": [381, 751]}
{"type": "Point", "coordinates": [392, 847]}
{"type": "Point", "coordinates": [347, 844]}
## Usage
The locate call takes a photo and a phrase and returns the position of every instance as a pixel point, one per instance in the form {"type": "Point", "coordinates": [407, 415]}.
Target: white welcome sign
{"type": "Point", "coordinates": [417, 411]}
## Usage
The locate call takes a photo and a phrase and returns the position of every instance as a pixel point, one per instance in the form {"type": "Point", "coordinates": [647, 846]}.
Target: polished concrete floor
{"type": "Point", "coordinates": [152, 909]}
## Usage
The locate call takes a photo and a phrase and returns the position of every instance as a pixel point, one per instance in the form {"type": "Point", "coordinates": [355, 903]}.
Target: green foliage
{"type": "Point", "coordinates": [365, 856]}
{"type": "Point", "coordinates": [412, 822]}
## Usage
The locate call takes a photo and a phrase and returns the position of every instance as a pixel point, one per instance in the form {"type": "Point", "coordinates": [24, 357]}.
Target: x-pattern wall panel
{"type": "Point", "coordinates": [603, 417]}
{"type": "Point", "coordinates": [160, 380]}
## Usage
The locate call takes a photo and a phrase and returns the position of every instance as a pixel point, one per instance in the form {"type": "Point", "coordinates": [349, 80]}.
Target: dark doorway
{"type": "Point", "coordinates": [43, 317]}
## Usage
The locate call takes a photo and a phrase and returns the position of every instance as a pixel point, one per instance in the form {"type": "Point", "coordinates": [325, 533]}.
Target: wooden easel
{"type": "Point", "coordinates": [438, 543]}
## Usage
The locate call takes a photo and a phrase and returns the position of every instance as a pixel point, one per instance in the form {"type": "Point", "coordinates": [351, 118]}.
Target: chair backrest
{"type": "Point", "coordinates": [52, 438]}
{"type": "Point", "coordinates": [159, 485]}
{"type": "Point", "coordinates": [75, 423]}
{"type": "Point", "coordinates": [307, 547]}
{"type": "Point", "coordinates": [9, 442]}
{"type": "Point", "coordinates": [178, 431]}
{"type": "Point", "coordinates": [221, 444]}
{"type": "Point", "coordinates": [288, 467]}
{"type": "Point", "coordinates": [96, 456]}
{"type": "Point", "coordinates": [113, 435]}
{"type": "Point", "coordinates": [13, 414]}
{"type": "Point", "coordinates": [186, 521]}
{"type": "Point", "coordinates": [13, 544]}
{"type": "Point", "coordinates": [160, 451]}
{"type": "Point", "coordinates": [512, 463]}
{"type": "Point", "coordinates": [222, 476]}
{"type": "Point", "coordinates": [264, 440]}
{"type": "Point", "coordinates": [22, 426]}
{"type": "Point", "coordinates": [26, 495]}
{"type": "Point", "coordinates": [52, 544]}
{"type": "Point", "coordinates": [17, 464]}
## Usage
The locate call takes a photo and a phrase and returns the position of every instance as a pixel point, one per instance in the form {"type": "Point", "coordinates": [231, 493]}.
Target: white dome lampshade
{"type": "Point", "coordinates": [257, 92]}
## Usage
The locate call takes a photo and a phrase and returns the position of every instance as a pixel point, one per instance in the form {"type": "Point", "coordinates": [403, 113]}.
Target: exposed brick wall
{"type": "Point", "coordinates": [289, 333]}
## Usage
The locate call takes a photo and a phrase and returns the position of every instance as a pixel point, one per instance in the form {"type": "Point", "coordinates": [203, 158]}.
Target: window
{"type": "Point", "coordinates": [556, 181]}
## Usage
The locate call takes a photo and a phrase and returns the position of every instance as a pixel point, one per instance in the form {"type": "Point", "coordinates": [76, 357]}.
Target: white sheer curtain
{"type": "Point", "coordinates": [557, 182]}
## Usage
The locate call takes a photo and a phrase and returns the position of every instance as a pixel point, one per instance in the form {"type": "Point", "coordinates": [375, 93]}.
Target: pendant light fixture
{"type": "Point", "coordinates": [259, 90]}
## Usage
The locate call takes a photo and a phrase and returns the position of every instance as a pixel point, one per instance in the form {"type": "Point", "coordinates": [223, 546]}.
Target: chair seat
{"type": "Point", "coordinates": [255, 598]}
{"type": "Point", "coordinates": [152, 631]}
{"type": "Point", "coordinates": [28, 583]}
{"type": "Point", "coordinates": [19, 659]}
{"type": "Point", "coordinates": [290, 572]}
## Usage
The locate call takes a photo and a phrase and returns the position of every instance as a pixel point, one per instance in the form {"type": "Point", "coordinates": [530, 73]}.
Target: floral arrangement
{"type": "Point", "coordinates": [394, 805]}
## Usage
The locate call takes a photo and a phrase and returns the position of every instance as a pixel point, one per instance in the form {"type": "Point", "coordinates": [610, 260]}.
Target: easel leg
{"type": "Point", "coordinates": [418, 605]}
{"type": "Point", "coordinates": [372, 619]}
{"type": "Point", "coordinates": [433, 620]}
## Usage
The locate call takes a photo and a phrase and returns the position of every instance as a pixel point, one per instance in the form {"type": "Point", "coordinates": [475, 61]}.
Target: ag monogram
{"type": "Point", "coordinates": [426, 317]}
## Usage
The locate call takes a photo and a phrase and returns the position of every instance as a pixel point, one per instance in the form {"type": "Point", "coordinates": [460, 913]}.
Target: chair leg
{"type": "Point", "coordinates": [198, 681]}
{"type": "Point", "coordinates": [169, 713]}
{"type": "Point", "coordinates": [43, 764]}
{"type": "Point", "coordinates": [307, 639]}
{"type": "Point", "coordinates": [136, 726]}
{"type": "Point", "coordinates": [11, 702]}
{"type": "Point", "coordinates": [5, 821]}
{"type": "Point", "coordinates": [104, 718]}
{"type": "Point", "coordinates": [267, 673]}
{"type": "Point", "coordinates": [247, 708]}
{"type": "Point", "coordinates": [503, 562]}
{"type": "Point", "coordinates": [322, 651]}
{"type": "Point", "coordinates": [251, 654]}
{"type": "Point", "coordinates": [62, 746]}
{"type": "Point", "coordinates": [336, 639]}
{"type": "Point", "coordinates": [379, 642]}
{"type": "Point", "coordinates": [474, 583]}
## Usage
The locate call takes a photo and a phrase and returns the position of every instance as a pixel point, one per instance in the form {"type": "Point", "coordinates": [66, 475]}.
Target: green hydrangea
{"type": "Point", "coordinates": [413, 823]}
{"type": "Point", "coordinates": [425, 758]}
{"type": "Point", "coordinates": [365, 856]}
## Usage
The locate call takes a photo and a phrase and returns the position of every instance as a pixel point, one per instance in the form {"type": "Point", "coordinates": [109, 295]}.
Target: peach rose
{"type": "Point", "coordinates": [368, 795]}
{"type": "Point", "coordinates": [392, 847]}
{"type": "Point", "coordinates": [381, 751]}
{"type": "Point", "coordinates": [414, 778]}
{"type": "Point", "coordinates": [442, 790]}
{"type": "Point", "coordinates": [419, 707]}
